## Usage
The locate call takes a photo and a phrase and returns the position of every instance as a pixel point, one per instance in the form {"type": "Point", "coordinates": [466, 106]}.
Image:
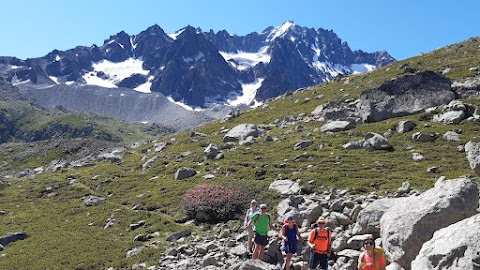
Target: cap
{"type": "Point", "coordinates": [263, 206]}
{"type": "Point", "coordinates": [290, 218]}
{"type": "Point", "coordinates": [253, 202]}
{"type": "Point", "coordinates": [321, 220]}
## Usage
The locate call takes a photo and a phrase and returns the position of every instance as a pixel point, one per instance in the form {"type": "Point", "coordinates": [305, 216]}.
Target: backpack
{"type": "Point", "coordinates": [328, 236]}
{"type": "Point", "coordinates": [377, 253]}
{"type": "Point", "coordinates": [285, 225]}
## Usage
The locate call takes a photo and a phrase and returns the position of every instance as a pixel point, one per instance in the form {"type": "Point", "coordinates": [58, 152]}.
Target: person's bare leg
{"type": "Point", "coordinates": [256, 251]}
{"type": "Point", "coordinates": [262, 251]}
{"type": "Point", "coordinates": [288, 260]}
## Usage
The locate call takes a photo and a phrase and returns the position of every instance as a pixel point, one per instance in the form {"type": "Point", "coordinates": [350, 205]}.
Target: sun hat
{"type": "Point", "coordinates": [263, 206]}
{"type": "Point", "coordinates": [321, 220]}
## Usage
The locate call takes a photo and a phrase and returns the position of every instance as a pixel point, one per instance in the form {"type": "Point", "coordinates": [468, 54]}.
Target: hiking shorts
{"type": "Point", "coordinates": [290, 246]}
{"type": "Point", "coordinates": [260, 239]}
{"type": "Point", "coordinates": [318, 259]}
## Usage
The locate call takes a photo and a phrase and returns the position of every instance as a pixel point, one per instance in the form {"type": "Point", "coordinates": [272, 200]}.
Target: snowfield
{"type": "Point", "coordinates": [114, 72]}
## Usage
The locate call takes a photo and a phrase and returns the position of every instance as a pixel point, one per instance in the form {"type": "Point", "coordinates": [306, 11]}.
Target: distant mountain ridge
{"type": "Point", "coordinates": [198, 68]}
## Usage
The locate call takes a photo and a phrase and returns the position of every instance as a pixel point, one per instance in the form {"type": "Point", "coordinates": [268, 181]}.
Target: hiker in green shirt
{"type": "Point", "coordinates": [262, 223]}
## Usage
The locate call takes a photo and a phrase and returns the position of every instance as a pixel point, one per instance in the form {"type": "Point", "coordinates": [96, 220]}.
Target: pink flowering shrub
{"type": "Point", "coordinates": [212, 202]}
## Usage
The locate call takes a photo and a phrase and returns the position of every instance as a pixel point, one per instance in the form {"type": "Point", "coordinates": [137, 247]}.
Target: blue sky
{"type": "Point", "coordinates": [405, 28]}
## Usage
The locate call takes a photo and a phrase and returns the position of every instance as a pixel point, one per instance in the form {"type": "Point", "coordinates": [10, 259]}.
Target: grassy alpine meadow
{"type": "Point", "coordinates": [65, 234]}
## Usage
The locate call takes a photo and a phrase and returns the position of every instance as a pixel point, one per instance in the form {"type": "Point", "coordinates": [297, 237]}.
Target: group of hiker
{"type": "Point", "coordinates": [258, 223]}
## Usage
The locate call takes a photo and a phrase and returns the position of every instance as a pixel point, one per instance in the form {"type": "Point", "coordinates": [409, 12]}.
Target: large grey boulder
{"type": "Point", "coordinates": [184, 172]}
{"type": "Point", "coordinates": [368, 220]}
{"type": "Point", "coordinates": [450, 117]}
{"type": "Point", "coordinates": [406, 95]}
{"type": "Point", "coordinates": [377, 142]}
{"type": "Point", "coordinates": [411, 221]}
{"type": "Point", "coordinates": [339, 125]}
{"type": "Point", "coordinates": [405, 126]}
{"type": "Point", "coordinates": [451, 136]}
{"type": "Point", "coordinates": [472, 149]}
{"type": "Point", "coordinates": [285, 187]}
{"type": "Point", "coordinates": [241, 131]}
{"type": "Point", "coordinates": [453, 113]}
{"type": "Point", "coordinates": [454, 247]}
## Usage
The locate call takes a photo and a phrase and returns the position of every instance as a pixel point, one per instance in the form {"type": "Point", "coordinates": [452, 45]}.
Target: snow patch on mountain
{"type": "Point", "coordinates": [176, 34]}
{"type": "Point", "coordinates": [362, 68]}
{"type": "Point", "coordinates": [113, 73]}
{"type": "Point", "coordinates": [329, 68]}
{"type": "Point", "coordinates": [54, 79]}
{"type": "Point", "coordinates": [245, 60]}
{"type": "Point", "coordinates": [145, 88]}
{"type": "Point", "coordinates": [249, 90]}
{"type": "Point", "coordinates": [185, 106]}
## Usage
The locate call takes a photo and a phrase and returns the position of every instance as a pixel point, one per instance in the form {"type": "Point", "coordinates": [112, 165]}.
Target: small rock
{"type": "Point", "coordinates": [423, 137]}
{"type": "Point", "coordinates": [302, 145]}
{"type": "Point", "coordinates": [418, 156]}
{"type": "Point", "coordinates": [184, 172]}
{"type": "Point", "coordinates": [92, 200]}
{"type": "Point", "coordinates": [178, 235]}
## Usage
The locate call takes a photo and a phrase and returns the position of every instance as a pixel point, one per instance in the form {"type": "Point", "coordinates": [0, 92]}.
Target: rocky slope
{"type": "Point", "coordinates": [312, 149]}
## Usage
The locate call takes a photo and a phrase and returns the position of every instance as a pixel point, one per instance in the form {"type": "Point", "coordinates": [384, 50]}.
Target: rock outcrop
{"type": "Point", "coordinates": [411, 221]}
{"type": "Point", "coordinates": [454, 247]}
{"type": "Point", "coordinates": [406, 95]}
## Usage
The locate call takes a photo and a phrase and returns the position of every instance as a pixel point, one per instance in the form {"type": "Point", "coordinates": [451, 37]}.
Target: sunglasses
{"type": "Point", "coordinates": [263, 208]}
{"type": "Point", "coordinates": [368, 243]}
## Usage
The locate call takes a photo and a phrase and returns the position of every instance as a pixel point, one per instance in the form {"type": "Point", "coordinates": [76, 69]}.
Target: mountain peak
{"type": "Point", "coordinates": [281, 30]}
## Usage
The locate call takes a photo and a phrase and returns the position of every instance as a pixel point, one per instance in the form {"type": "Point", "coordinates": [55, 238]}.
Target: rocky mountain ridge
{"type": "Point", "coordinates": [199, 68]}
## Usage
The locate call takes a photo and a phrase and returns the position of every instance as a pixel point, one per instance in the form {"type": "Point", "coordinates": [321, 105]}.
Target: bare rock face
{"type": "Point", "coordinates": [412, 221]}
{"type": "Point", "coordinates": [443, 253]}
{"type": "Point", "coordinates": [406, 95]}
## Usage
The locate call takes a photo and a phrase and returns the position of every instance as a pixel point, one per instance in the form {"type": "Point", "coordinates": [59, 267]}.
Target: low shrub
{"type": "Point", "coordinates": [210, 203]}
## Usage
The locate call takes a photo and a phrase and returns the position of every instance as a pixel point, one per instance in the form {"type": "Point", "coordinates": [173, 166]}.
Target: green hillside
{"type": "Point", "coordinates": [64, 234]}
